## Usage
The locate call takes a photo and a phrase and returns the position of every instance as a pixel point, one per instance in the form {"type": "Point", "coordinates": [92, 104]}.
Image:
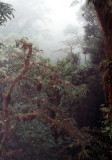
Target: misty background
{"type": "Point", "coordinates": [45, 23]}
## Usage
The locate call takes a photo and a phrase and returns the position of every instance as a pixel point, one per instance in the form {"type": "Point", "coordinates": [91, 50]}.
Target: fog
{"type": "Point", "coordinates": [45, 22]}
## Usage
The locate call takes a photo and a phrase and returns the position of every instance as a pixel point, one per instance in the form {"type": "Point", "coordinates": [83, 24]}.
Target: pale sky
{"type": "Point", "coordinates": [47, 21]}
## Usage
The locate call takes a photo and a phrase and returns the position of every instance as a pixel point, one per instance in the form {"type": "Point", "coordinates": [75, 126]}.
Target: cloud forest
{"type": "Point", "coordinates": [56, 80]}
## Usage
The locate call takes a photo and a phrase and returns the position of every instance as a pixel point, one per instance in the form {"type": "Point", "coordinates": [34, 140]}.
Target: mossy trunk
{"type": "Point", "coordinates": [104, 12]}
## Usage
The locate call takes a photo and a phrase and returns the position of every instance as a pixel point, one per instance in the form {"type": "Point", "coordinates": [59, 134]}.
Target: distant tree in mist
{"type": "Point", "coordinates": [93, 38]}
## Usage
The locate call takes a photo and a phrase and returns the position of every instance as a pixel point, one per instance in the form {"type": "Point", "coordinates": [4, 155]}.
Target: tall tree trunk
{"type": "Point", "coordinates": [85, 59]}
{"type": "Point", "coordinates": [104, 12]}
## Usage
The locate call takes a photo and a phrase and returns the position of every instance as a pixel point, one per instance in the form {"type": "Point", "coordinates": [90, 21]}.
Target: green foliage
{"type": "Point", "coordinates": [83, 105]}
{"type": "Point", "coordinates": [64, 87]}
{"type": "Point", "coordinates": [93, 35]}
{"type": "Point", "coordinates": [42, 87]}
{"type": "Point", "coordinates": [66, 95]}
{"type": "Point", "coordinates": [99, 146]}
{"type": "Point", "coordinates": [107, 122]}
{"type": "Point", "coordinates": [6, 11]}
{"type": "Point", "coordinates": [2, 73]}
{"type": "Point", "coordinates": [36, 140]}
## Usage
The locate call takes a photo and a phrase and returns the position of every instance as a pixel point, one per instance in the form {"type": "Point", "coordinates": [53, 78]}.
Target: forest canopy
{"type": "Point", "coordinates": [59, 111]}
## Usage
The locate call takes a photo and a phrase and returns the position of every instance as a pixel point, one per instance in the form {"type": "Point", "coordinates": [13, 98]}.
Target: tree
{"type": "Point", "coordinates": [104, 9]}
{"type": "Point", "coordinates": [72, 43]}
{"type": "Point", "coordinates": [93, 39]}
{"type": "Point", "coordinates": [105, 20]}
{"type": "Point", "coordinates": [35, 92]}
{"type": "Point", "coordinates": [6, 12]}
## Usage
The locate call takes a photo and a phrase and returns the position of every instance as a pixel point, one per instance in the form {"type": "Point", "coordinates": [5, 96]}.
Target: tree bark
{"type": "Point", "coordinates": [104, 12]}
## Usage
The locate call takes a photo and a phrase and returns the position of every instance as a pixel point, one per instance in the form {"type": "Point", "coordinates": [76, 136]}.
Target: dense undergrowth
{"type": "Point", "coordinates": [53, 112]}
{"type": "Point", "coordinates": [50, 109]}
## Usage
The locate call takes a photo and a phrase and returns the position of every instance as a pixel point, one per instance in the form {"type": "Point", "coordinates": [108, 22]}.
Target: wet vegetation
{"type": "Point", "coordinates": [59, 111]}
